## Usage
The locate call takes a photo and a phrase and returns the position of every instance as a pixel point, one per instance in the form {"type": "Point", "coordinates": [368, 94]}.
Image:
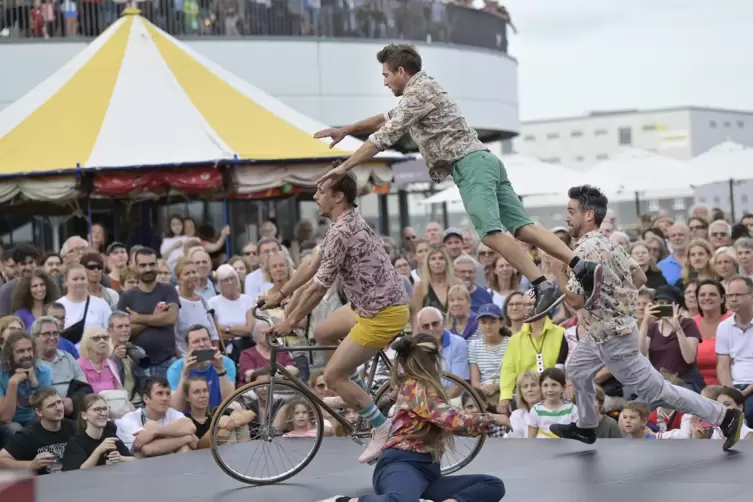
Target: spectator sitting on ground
{"type": "Point", "coordinates": [233, 426]}
{"type": "Point", "coordinates": [96, 443]}
{"type": "Point", "coordinates": [40, 447]}
{"type": "Point", "coordinates": [156, 429]}
{"type": "Point", "coordinates": [20, 374]}
{"type": "Point", "coordinates": [634, 421]}
{"type": "Point", "coordinates": [68, 379]}
{"type": "Point", "coordinates": [203, 361]}
{"type": "Point", "coordinates": [608, 427]}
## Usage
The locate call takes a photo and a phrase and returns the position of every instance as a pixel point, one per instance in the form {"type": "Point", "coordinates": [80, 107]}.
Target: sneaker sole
{"type": "Point", "coordinates": [541, 315]}
{"type": "Point", "coordinates": [732, 440]}
{"type": "Point", "coordinates": [596, 292]}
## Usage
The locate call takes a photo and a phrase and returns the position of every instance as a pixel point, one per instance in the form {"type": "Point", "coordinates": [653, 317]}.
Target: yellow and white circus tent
{"type": "Point", "coordinates": [137, 97]}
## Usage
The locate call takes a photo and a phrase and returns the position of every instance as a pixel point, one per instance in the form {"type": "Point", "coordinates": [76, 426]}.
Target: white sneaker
{"type": "Point", "coordinates": [335, 402]}
{"type": "Point", "coordinates": [379, 437]}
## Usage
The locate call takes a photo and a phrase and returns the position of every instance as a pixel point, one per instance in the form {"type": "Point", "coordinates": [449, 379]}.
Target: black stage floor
{"type": "Point", "coordinates": [613, 470]}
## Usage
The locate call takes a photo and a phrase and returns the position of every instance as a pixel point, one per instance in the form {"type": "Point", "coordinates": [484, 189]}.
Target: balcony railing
{"type": "Point", "coordinates": [411, 20]}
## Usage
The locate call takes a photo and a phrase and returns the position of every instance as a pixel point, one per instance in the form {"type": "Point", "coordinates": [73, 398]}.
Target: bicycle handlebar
{"type": "Point", "coordinates": [271, 339]}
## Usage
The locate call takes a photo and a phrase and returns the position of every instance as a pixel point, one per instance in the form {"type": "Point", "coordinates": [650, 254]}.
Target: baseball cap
{"type": "Point", "coordinates": [452, 231]}
{"type": "Point", "coordinates": [490, 310]}
{"type": "Point", "coordinates": [115, 245]}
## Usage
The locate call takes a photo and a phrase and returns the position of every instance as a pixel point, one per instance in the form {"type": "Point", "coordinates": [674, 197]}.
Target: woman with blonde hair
{"type": "Point", "coordinates": [232, 311]}
{"type": "Point", "coordinates": [725, 264]}
{"type": "Point", "coordinates": [460, 320]}
{"type": "Point", "coordinates": [436, 278]}
{"type": "Point", "coordinates": [697, 263]}
{"type": "Point", "coordinates": [503, 279]}
{"type": "Point", "coordinates": [240, 268]}
{"type": "Point", "coordinates": [94, 358]}
{"type": "Point", "coordinates": [640, 252]}
{"type": "Point", "coordinates": [194, 310]}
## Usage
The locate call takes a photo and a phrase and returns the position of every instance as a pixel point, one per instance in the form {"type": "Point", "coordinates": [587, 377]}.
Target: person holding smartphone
{"type": "Point", "coordinates": [670, 340]}
{"type": "Point", "coordinates": [203, 361]}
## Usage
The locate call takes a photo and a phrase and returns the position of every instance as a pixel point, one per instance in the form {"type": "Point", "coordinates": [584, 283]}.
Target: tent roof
{"type": "Point", "coordinates": [138, 97]}
{"type": "Point", "coordinates": [635, 170]}
{"type": "Point", "coordinates": [723, 162]}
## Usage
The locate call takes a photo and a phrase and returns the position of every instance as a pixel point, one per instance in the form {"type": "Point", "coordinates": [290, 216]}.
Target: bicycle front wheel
{"type": "Point", "coordinates": [464, 449]}
{"type": "Point", "coordinates": [266, 432]}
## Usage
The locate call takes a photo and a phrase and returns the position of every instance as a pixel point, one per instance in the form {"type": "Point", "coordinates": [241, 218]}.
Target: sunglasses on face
{"type": "Point", "coordinates": [100, 338]}
{"type": "Point", "coordinates": [719, 234]}
{"type": "Point", "coordinates": [94, 266]}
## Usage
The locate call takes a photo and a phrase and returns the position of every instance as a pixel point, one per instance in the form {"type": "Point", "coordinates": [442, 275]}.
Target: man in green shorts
{"type": "Point", "coordinates": [451, 147]}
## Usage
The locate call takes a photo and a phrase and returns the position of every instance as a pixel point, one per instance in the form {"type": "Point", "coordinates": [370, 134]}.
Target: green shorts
{"type": "Point", "coordinates": [487, 194]}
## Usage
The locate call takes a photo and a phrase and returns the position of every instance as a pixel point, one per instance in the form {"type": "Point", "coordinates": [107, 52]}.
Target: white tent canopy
{"type": "Point", "coordinates": [635, 170]}
{"type": "Point", "coordinates": [724, 162]}
{"type": "Point", "coordinates": [529, 176]}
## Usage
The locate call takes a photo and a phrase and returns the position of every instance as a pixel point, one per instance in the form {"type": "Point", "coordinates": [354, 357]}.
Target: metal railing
{"type": "Point", "coordinates": [411, 20]}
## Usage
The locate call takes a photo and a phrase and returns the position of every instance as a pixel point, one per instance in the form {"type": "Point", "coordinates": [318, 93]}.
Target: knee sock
{"type": "Point", "coordinates": [372, 415]}
{"type": "Point", "coordinates": [355, 377]}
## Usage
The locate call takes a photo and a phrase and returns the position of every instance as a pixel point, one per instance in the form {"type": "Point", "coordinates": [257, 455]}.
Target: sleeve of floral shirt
{"type": "Point", "coordinates": [625, 261]}
{"type": "Point", "coordinates": [431, 408]}
{"type": "Point", "coordinates": [333, 251]}
{"type": "Point", "coordinates": [408, 111]}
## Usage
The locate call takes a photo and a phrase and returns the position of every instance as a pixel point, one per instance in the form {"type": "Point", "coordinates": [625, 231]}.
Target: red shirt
{"type": "Point", "coordinates": [250, 359]}
{"type": "Point", "coordinates": [706, 358]}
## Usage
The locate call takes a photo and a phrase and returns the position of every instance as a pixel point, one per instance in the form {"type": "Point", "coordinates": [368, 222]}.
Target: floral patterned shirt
{"type": "Point", "coordinates": [352, 250]}
{"type": "Point", "coordinates": [435, 124]}
{"type": "Point", "coordinates": [417, 407]}
{"type": "Point", "coordinates": [612, 314]}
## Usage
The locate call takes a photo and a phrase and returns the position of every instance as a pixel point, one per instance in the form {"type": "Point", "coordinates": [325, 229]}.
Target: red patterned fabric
{"type": "Point", "coordinates": [190, 181]}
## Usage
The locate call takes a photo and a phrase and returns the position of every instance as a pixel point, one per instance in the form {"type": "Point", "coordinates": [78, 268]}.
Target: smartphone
{"type": "Point", "coordinates": [666, 310]}
{"type": "Point", "coordinates": [203, 355]}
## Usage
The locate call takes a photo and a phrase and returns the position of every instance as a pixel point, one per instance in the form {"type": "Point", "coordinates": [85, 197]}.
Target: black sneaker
{"type": "Point", "coordinates": [731, 428]}
{"type": "Point", "coordinates": [548, 296]}
{"type": "Point", "coordinates": [572, 431]}
{"type": "Point", "coordinates": [589, 274]}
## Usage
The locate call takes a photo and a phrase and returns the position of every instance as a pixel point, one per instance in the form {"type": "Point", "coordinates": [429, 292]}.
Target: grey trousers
{"type": "Point", "coordinates": [623, 359]}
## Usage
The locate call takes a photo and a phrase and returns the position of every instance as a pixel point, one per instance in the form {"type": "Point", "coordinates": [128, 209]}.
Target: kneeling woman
{"type": "Point", "coordinates": [423, 426]}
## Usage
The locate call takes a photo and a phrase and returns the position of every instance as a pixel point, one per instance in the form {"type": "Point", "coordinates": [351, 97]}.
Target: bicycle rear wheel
{"type": "Point", "coordinates": [284, 441]}
{"type": "Point", "coordinates": [464, 449]}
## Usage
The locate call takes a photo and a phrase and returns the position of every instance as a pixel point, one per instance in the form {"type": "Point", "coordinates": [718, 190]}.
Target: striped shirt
{"type": "Point", "coordinates": [542, 417]}
{"type": "Point", "coordinates": [487, 358]}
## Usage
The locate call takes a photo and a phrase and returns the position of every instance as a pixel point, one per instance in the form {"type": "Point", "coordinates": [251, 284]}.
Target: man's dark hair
{"type": "Point", "coordinates": [268, 240]}
{"type": "Point", "coordinates": [194, 328]}
{"type": "Point", "coordinates": [590, 198]}
{"type": "Point", "coordinates": [152, 382]}
{"type": "Point", "coordinates": [39, 396]}
{"type": "Point", "coordinates": [745, 279]}
{"type": "Point", "coordinates": [348, 187]}
{"type": "Point", "coordinates": [23, 251]}
{"type": "Point", "coordinates": [145, 251]}
{"type": "Point", "coordinates": [7, 362]}
{"type": "Point", "coordinates": [400, 55]}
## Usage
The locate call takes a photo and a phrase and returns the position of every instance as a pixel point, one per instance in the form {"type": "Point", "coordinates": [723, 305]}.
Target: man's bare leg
{"type": "Point", "coordinates": [513, 253]}
{"type": "Point", "coordinates": [545, 240]}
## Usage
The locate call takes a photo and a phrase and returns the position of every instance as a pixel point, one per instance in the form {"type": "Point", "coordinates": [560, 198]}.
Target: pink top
{"type": "Point", "coordinates": [102, 379]}
{"type": "Point", "coordinates": [706, 358]}
{"type": "Point", "coordinates": [308, 433]}
{"type": "Point", "coordinates": [352, 250]}
{"type": "Point", "coordinates": [250, 359]}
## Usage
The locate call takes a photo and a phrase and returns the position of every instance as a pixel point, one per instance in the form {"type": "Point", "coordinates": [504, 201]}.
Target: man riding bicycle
{"type": "Point", "coordinates": [353, 251]}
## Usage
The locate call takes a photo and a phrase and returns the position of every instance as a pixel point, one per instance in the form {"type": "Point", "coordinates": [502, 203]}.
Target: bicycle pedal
{"type": "Point", "coordinates": [357, 440]}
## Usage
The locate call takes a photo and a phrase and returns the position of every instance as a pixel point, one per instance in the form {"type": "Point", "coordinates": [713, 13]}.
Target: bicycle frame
{"type": "Point", "coordinates": [275, 367]}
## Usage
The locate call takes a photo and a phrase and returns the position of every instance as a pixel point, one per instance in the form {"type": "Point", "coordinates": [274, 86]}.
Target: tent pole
{"type": "Point", "coordinates": [732, 200]}
{"type": "Point", "coordinates": [638, 205]}
{"type": "Point", "coordinates": [228, 241]}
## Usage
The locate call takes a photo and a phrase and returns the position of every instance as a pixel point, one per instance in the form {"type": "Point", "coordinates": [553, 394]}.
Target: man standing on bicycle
{"type": "Point", "coordinates": [375, 290]}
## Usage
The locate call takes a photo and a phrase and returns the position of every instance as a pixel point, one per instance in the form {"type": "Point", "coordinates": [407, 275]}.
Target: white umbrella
{"type": "Point", "coordinates": [528, 176]}
{"type": "Point", "coordinates": [724, 162]}
{"type": "Point", "coordinates": [634, 170]}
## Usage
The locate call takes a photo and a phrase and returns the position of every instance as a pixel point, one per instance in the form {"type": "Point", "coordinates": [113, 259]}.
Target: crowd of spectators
{"type": "Point", "coordinates": [111, 354]}
{"type": "Point", "coordinates": [419, 20]}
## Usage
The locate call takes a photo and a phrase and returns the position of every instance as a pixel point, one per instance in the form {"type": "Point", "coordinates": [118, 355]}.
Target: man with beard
{"type": "Point", "coordinates": [40, 447]}
{"type": "Point", "coordinates": [20, 375]}
{"type": "Point", "coordinates": [153, 308]}
{"type": "Point", "coordinates": [451, 147]}
{"type": "Point", "coordinates": [612, 336]}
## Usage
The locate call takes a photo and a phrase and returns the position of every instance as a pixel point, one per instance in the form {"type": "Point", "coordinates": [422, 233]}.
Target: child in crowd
{"type": "Point", "coordinates": [690, 426]}
{"type": "Point", "coordinates": [732, 398]}
{"type": "Point", "coordinates": [553, 409]}
{"type": "Point", "coordinates": [300, 421]}
{"type": "Point", "coordinates": [527, 394]}
{"type": "Point", "coordinates": [608, 427]}
{"type": "Point", "coordinates": [423, 426]}
{"type": "Point", "coordinates": [634, 421]}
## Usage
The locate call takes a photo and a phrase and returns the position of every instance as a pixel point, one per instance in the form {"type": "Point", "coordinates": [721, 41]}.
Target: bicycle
{"type": "Point", "coordinates": [269, 429]}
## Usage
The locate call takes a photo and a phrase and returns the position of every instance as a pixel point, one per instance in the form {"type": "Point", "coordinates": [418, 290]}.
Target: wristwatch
{"type": "Point", "coordinates": [222, 373]}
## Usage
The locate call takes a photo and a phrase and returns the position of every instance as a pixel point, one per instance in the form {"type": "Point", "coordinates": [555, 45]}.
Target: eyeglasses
{"type": "Point", "coordinates": [100, 411]}
{"type": "Point", "coordinates": [250, 253]}
{"type": "Point", "coordinates": [698, 227]}
{"type": "Point", "coordinates": [719, 234]}
{"type": "Point", "coordinates": [100, 338]}
{"type": "Point", "coordinates": [94, 266]}
{"type": "Point", "coordinates": [49, 334]}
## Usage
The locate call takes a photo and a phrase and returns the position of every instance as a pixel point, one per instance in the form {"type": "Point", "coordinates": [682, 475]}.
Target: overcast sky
{"type": "Point", "coordinates": [581, 55]}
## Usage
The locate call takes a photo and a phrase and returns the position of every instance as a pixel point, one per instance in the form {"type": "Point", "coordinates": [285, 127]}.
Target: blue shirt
{"type": "Point", "coordinates": [209, 375]}
{"type": "Point", "coordinates": [67, 346]}
{"type": "Point", "coordinates": [479, 298]}
{"type": "Point", "coordinates": [24, 414]}
{"type": "Point", "coordinates": [454, 357]}
{"type": "Point", "coordinates": [671, 269]}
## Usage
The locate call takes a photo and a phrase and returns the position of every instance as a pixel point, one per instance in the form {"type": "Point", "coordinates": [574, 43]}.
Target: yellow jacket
{"type": "Point", "coordinates": [520, 355]}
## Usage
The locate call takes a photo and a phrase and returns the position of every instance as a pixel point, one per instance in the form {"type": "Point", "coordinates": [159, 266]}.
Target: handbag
{"type": "Point", "coordinates": [74, 332]}
{"type": "Point", "coordinates": [117, 399]}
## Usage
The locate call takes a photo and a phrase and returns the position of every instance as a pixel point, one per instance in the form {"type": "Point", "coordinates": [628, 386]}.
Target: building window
{"type": "Point", "coordinates": [716, 200]}
{"type": "Point", "coordinates": [678, 204]}
{"type": "Point", "coordinates": [576, 134]}
{"type": "Point", "coordinates": [744, 199]}
{"type": "Point", "coordinates": [649, 127]}
{"type": "Point", "coordinates": [702, 200]}
{"type": "Point", "coordinates": [653, 205]}
{"type": "Point", "coordinates": [553, 135]}
{"type": "Point", "coordinates": [712, 124]}
{"type": "Point", "coordinates": [529, 137]}
{"type": "Point", "coordinates": [740, 124]}
{"type": "Point", "coordinates": [625, 136]}
{"type": "Point", "coordinates": [600, 132]}
{"type": "Point", "coordinates": [727, 124]}
{"type": "Point", "coordinates": [580, 158]}
{"type": "Point", "coordinates": [602, 156]}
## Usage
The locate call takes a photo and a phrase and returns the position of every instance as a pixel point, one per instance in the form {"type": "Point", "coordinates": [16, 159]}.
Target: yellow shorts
{"type": "Point", "coordinates": [377, 332]}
